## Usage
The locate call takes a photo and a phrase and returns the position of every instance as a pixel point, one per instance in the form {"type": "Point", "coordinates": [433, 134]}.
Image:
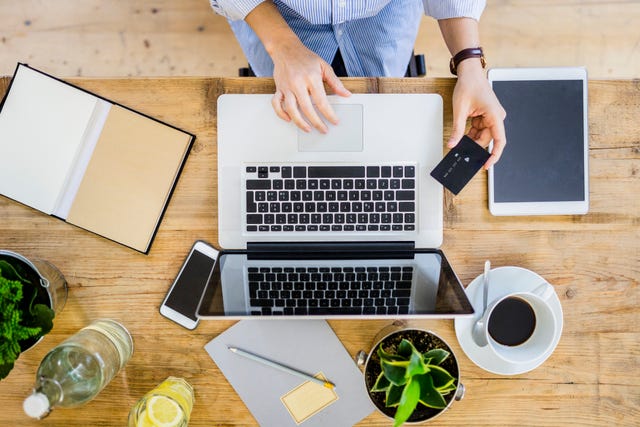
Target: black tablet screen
{"type": "Point", "coordinates": [543, 160]}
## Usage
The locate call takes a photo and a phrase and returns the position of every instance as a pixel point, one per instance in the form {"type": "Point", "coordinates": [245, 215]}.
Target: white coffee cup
{"type": "Point", "coordinates": [544, 331]}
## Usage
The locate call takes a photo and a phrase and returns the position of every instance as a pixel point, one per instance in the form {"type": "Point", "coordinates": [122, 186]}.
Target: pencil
{"type": "Point", "coordinates": [281, 367]}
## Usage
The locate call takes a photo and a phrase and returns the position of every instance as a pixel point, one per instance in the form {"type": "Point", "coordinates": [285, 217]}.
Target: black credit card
{"type": "Point", "coordinates": [460, 164]}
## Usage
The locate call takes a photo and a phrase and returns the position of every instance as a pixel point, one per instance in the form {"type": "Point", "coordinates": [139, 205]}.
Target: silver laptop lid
{"type": "Point", "coordinates": [370, 280]}
{"type": "Point", "coordinates": [377, 133]}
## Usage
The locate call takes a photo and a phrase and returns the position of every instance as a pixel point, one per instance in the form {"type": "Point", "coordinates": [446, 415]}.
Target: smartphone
{"type": "Point", "coordinates": [181, 302]}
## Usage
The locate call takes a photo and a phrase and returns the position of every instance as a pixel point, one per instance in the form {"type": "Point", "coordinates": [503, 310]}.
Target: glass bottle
{"type": "Point", "coordinates": [75, 371]}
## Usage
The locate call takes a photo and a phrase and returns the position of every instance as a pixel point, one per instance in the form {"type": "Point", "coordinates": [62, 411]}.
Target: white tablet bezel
{"type": "Point", "coordinates": [579, 207]}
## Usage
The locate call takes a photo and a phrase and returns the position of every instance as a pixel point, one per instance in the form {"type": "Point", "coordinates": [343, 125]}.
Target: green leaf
{"type": "Point", "coordinates": [406, 349]}
{"type": "Point", "coordinates": [383, 355]}
{"type": "Point", "coordinates": [42, 317]}
{"type": "Point", "coordinates": [408, 403]}
{"type": "Point", "coordinates": [394, 393]}
{"type": "Point", "coordinates": [382, 383]}
{"type": "Point", "coordinates": [7, 271]}
{"type": "Point", "coordinates": [416, 365]}
{"type": "Point", "coordinates": [436, 355]}
{"type": "Point", "coordinates": [395, 371]}
{"type": "Point", "coordinates": [429, 396]}
{"type": "Point", "coordinates": [448, 389]}
{"type": "Point", "coordinates": [441, 378]}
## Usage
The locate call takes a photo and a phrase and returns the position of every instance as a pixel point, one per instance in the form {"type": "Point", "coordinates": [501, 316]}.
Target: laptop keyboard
{"type": "Point", "coordinates": [330, 198]}
{"type": "Point", "coordinates": [329, 290]}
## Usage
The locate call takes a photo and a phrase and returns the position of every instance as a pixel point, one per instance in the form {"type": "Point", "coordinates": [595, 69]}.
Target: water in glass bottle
{"type": "Point", "coordinates": [75, 371]}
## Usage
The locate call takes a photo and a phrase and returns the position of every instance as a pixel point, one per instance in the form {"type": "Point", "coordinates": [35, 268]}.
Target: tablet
{"type": "Point", "coordinates": [544, 167]}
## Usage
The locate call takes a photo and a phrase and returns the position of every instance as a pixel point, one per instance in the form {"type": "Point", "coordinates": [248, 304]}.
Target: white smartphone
{"type": "Point", "coordinates": [181, 302]}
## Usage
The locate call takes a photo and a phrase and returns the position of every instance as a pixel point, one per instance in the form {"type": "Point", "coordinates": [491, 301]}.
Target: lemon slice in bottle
{"type": "Point", "coordinates": [143, 421]}
{"type": "Point", "coordinates": [163, 411]}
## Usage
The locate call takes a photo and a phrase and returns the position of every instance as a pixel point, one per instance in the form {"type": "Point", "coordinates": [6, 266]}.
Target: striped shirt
{"type": "Point", "coordinates": [375, 38]}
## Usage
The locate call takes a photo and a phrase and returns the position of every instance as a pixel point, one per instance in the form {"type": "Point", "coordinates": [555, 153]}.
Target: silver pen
{"type": "Point", "coordinates": [281, 367]}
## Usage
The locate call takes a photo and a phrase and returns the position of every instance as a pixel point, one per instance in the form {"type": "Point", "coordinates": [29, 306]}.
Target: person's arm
{"type": "Point", "coordinates": [473, 96]}
{"type": "Point", "coordinates": [299, 73]}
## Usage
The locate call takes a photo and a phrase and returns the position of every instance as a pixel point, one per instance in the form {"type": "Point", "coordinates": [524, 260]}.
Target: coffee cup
{"type": "Point", "coordinates": [520, 327]}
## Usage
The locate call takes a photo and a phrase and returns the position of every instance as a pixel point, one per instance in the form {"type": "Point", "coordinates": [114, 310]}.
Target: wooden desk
{"type": "Point", "coordinates": [593, 261]}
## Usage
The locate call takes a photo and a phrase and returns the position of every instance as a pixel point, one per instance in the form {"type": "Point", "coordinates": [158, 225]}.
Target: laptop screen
{"type": "Point", "coordinates": [411, 283]}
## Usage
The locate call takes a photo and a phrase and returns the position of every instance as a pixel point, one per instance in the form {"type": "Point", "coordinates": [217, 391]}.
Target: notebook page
{"type": "Point", "coordinates": [129, 178]}
{"type": "Point", "coordinates": [90, 139]}
{"type": "Point", "coordinates": [42, 125]}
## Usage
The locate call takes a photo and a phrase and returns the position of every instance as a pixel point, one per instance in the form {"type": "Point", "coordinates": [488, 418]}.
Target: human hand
{"type": "Point", "coordinates": [300, 75]}
{"type": "Point", "coordinates": [473, 97]}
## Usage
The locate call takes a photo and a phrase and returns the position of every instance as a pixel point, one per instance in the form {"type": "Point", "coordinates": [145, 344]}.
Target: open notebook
{"type": "Point", "coordinates": [86, 160]}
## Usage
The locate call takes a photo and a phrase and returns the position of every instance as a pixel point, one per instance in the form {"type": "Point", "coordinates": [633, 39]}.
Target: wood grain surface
{"type": "Point", "coordinates": [186, 38]}
{"type": "Point", "coordinates": [592, 261]}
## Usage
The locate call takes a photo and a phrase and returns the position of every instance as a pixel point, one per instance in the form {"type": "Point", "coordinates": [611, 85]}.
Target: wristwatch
{"type": "Point", "coordinates": [473, 52]}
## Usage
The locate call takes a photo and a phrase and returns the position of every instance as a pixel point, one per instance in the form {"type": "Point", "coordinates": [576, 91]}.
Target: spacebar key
{"type": "Point", "coordinates": [334, 310]}
{"type": "Point", "coordinates": [336, 172]}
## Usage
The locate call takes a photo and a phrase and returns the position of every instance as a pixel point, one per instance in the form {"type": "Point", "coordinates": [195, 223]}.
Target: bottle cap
{"type": "Point", "coordinates": [37, 405]}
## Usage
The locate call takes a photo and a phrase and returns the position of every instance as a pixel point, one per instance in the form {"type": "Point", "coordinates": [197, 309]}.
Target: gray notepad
{"type": "Point", "coordinates": [280, 399]}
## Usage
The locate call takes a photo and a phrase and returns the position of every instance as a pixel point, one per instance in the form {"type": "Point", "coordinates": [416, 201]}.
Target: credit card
{"type": "Point", "coordinates": [460, 164]}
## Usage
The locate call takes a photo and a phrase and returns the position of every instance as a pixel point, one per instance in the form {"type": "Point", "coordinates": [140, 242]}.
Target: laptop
{"type": "Point", "coordinates": [328, 224]}
{"type": "Point", "coordinates": [366, 179]}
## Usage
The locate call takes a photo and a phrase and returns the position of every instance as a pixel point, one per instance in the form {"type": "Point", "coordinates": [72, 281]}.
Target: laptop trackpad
{"type": "Point", "coordinates": [346, 136]}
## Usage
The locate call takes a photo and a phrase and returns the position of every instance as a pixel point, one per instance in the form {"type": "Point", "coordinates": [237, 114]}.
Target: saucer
{"type": "Point", "coordinates": [503, 281]}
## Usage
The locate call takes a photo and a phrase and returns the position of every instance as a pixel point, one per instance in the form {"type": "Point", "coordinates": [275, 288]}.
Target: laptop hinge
{"type": "Point", "coordinates": [329, 250]}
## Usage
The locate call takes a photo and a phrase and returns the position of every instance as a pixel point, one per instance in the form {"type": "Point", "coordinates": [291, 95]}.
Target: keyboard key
{"type": "Point", "coordinates": [251, 169]}
{"type": "Point", "coordinates": [408, 184]}
{"type": "Point", "coordinates": [286, 172]}
{"type": "Point", "coordinates": [373, 171]}
{"type": "Point", "coordinates": [406, 207]}
{"type": "Point", "coordinates": [254, 219]}
{"type": "Point", "coordinates": [336, 171]}
{"type": "Point", "coordinates": [398, 171]}
{"type": "Point", "coordinates": [251, 205]}
{"type": "Point", "coordinates": [261, 302]}
{"type": "Point", "coordinates": [299, 172]}
{"type": "Point", "coordinates": [405, 195]}
{"type": "Point", "coordinates": [258, 184]}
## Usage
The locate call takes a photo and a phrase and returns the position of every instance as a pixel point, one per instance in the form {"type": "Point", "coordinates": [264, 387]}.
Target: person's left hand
{"type": "Point", "coordinates": [473, 97]}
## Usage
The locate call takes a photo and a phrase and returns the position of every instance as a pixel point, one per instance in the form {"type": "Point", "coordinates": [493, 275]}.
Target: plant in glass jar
{"type": "Point", "coordinates": [24, 318]}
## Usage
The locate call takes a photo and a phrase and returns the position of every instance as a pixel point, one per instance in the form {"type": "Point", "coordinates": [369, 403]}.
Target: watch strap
{"type": "Point", "coordinates": [472, 52]}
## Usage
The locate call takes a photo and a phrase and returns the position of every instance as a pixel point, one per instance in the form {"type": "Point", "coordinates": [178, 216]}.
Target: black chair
{"type": "Point", "coordinates": [416, 68]}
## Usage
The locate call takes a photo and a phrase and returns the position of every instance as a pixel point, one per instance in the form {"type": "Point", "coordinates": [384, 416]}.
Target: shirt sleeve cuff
{"type": "Point", "coordinates": [234, 10]}
{"type": "Point", "coordinates": [439, 9]}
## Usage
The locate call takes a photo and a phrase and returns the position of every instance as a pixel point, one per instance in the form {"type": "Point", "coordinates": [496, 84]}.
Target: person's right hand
{"type": "Point", "coordinates": [300, 75]}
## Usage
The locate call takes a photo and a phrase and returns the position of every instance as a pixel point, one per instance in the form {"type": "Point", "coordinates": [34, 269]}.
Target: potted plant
{"type": "Point", "coordinates": [28, 301]}
{"type": "Point", "coordinates": [411, 375]}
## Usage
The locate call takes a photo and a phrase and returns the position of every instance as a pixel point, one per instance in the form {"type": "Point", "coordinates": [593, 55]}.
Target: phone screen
{"type": "Point", "coordinates": [190, 283]}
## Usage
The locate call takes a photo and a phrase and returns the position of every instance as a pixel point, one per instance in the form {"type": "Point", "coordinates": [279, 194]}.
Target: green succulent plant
{"type": "Point", "coordinates": [410, 378]}
{"type": "Point", "coordinates": [20, 318]}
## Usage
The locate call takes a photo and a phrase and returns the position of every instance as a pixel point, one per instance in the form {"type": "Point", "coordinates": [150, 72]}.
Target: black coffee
{"type": "Point", "coordinates": [512, 321]}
